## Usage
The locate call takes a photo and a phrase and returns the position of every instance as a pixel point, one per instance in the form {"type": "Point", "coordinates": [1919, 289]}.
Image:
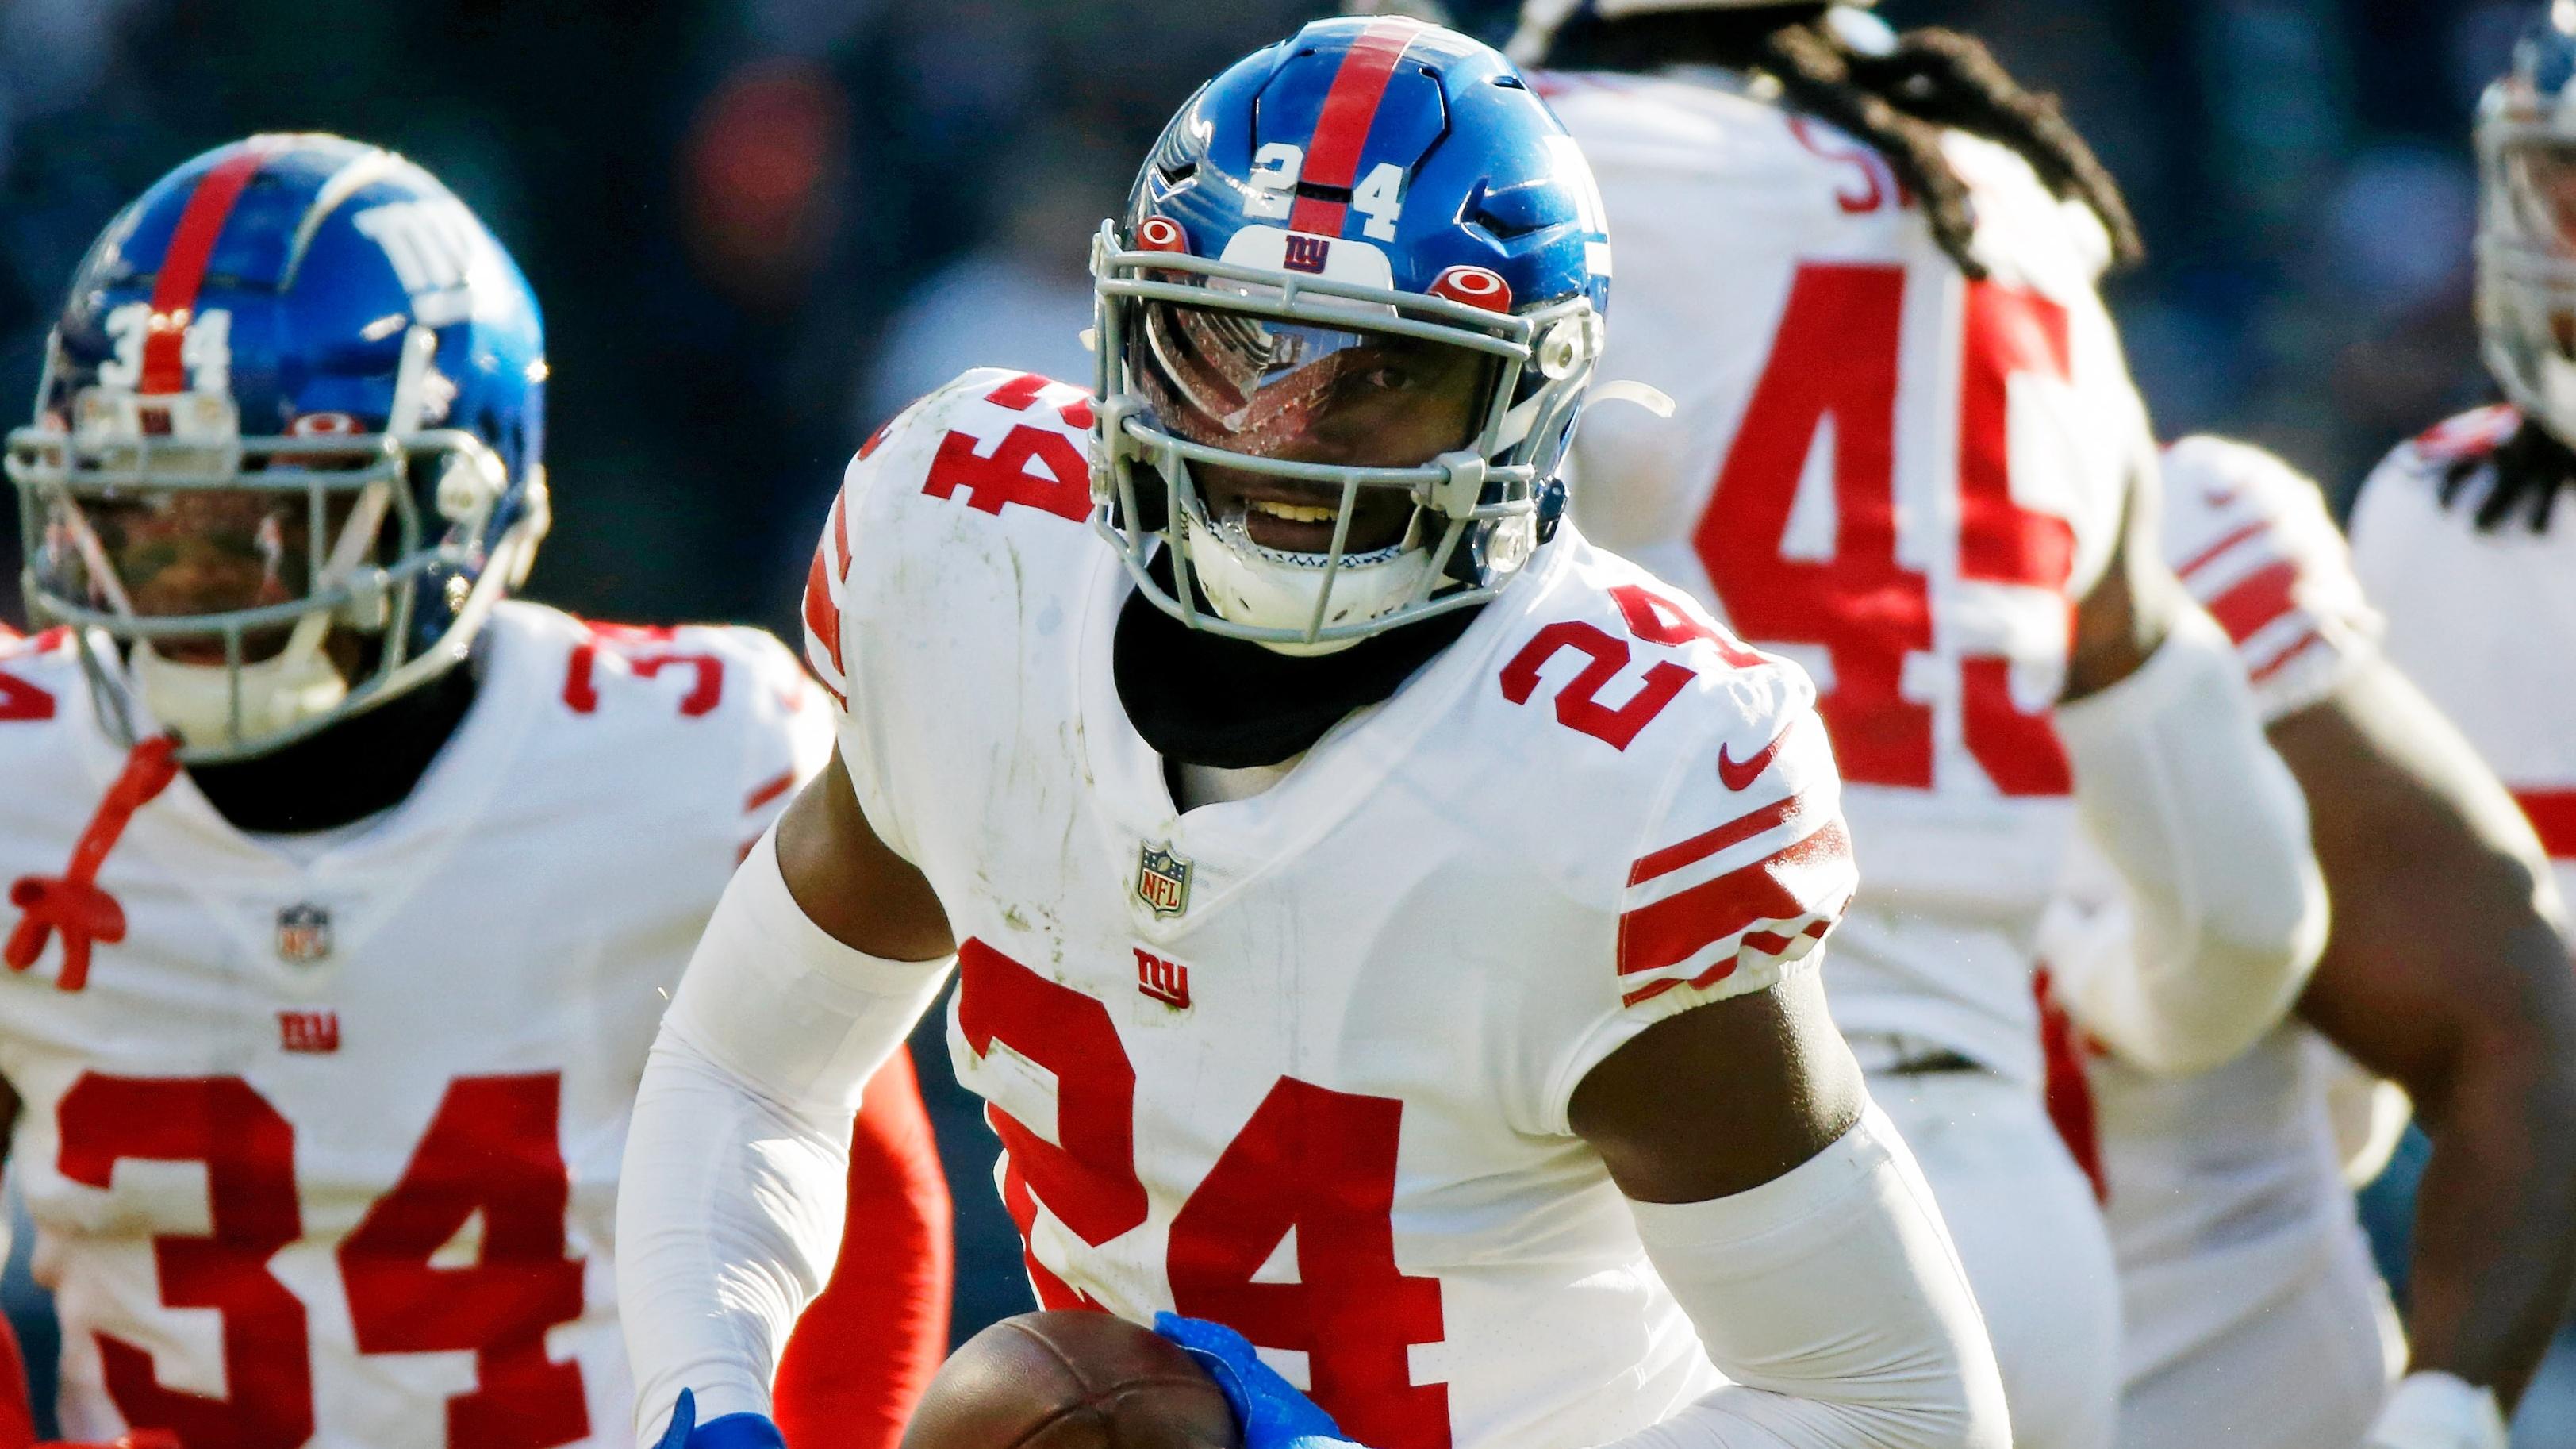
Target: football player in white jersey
{"type": "Point", "coordinates": [1386, 924]}
{"type": "Point", "coordinates": [346, 891]}
{"type": "Point", "coordinates": [2464, 541]}
{"type": "Point", "coordinates": [2242, 1268]}
{"type": "Point", "coordinates": [1908, 454]}
{"type": "Point", "coordinates": [2462, 535]}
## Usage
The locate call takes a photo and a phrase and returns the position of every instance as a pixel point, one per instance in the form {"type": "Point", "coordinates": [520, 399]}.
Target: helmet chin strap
{"type": "Point", "coordinates": [195, 701]}
{"type": "Point", "coordinates": [1246, 588]}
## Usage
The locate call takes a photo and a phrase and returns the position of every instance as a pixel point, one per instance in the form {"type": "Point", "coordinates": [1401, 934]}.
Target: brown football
{"type": "Point", "coordinates": [1070, 1381]}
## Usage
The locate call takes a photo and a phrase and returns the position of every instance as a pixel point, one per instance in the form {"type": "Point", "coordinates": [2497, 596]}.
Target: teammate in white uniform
{"type": "Point", "coordinates": [2242, 1263]}
{"type": "Point", "coordinates": [1907, 454]}
{"type": "Point", "coordinates": [1385, 924]}
{"type": "Point", "coordinates": [332, 965]}
{"type": "Point", "coordinates": [2464, 542]}
{"type": "Point", "coordinates": [2242, 1267]}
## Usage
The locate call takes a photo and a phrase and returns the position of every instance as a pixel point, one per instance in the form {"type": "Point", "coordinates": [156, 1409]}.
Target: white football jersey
{"type": "Point", "coordinates": [1301, 1062]}
{"type": "Point", "coordinates": [1897, 477]}
{"type": "Point", "coordinates": [2485, 622]}
{"type": "Point", "coordinates": [323, 1152]}
{"type": "Point", "coordinates": [2225, 1190]}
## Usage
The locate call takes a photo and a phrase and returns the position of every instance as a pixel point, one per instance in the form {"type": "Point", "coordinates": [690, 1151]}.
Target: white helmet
{"type": "Point", "coordinates": [1541, 19]}
{"type": "Point", "coordinates": [2527, 224]}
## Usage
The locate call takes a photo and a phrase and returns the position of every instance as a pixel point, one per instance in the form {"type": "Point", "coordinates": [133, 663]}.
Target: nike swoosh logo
{"type": "Point", "coordinates": [1740, 777]}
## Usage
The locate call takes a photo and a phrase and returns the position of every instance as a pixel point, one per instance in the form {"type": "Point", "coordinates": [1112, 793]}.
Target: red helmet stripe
{"type": "Point", "coordinates": [1350, 108]}
{"type": "Point", "coordinates": [183, 263]}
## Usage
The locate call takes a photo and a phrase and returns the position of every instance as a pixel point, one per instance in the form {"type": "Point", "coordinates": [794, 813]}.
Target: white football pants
{"type": "Point", "coordinates": [2311, 1369]}
{"type": "Point", "coordinates": [2031, 1237]}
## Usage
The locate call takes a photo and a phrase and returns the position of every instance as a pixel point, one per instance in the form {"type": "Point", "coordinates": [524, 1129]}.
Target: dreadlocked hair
{"type": "Point", "coordinates": [2531, 471]}
{"type": "Point", "coordinates": [1899, 102]}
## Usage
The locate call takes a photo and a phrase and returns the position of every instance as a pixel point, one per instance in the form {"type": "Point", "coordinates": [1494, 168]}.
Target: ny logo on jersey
{"type": "Point", "coordinates": [1163, 880]}
{"type": "Point", "coordinates": [1165, 981]}
{"type": "Point", "coordinates": [308, 1031]}
{"type": "Point", "coordinates": [303, 934]}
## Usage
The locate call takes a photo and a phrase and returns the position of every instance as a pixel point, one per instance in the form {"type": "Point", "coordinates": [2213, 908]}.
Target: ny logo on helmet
{"type": "Point", "coordinates": [1308, 253]}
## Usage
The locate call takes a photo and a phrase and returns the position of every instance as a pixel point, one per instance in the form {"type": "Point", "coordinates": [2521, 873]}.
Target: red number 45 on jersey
{"type": "Point", "coordinates": [1868, 604]}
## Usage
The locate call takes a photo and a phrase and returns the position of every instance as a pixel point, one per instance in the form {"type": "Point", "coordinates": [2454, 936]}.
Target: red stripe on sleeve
{"type": "Point", "coordinates": [1685, 923]}
{"type": "Point", "coordinates": [2553, 818]}
{"type": "Point", "coordinates": [822, 608]}
{"type": "Point", "coordinates": [183, 264]}
{"type": "Point", "coordinates": [2256, 600]}
{"type": "Point", "coordinates": [840, 526]}
{"type": "Point", "coordinates": [770, 791]}
{"type": "Point", "coordinates": [1763, 941]}
{"type": "Point", "coordinates": [2209, 555]}
{"type": "Point", "coordinates": [2310, 640]}
{"type": "Point", "coordinates": [822, 615]}
{"type": "Point", "coordinates": [1700, 847]}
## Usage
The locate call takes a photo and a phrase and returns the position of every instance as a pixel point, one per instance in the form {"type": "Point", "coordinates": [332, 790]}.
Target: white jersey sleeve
{"type": "Point", "coordinates": [2250, 537]}
{"type": "Point", "coordinates": [994, 442]}
{"type": "Point", "coordinates": [1749, 865]}
{"type": "Point", "coordinates": [1695, 828]}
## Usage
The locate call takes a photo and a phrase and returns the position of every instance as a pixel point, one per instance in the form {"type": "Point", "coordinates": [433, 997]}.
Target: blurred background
{"type": "Point", "coordinates": [759, 227]}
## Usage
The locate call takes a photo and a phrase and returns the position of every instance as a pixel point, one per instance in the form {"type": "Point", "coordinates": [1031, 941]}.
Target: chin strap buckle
{"type": "Point", "coordinates": [1461, 490]}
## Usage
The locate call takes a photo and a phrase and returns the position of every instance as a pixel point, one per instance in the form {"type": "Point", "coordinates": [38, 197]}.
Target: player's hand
{"type": "Point", "coordinates": [1273, 1414]}
{"type": "Point", "coordinates": [2438, 1411]}
{"type": "Point", "coordinates": [733, 1431]}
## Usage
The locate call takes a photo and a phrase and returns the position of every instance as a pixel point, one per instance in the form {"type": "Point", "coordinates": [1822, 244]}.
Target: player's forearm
{"type": "Point", "coordinates": [729, 1212]}
{"type": "Point", "coordinates": [2446, 974]}
{"type": "Point", "coordinates": [1832, 1299]}
{"type": "Point", "coordinates": [2495, 1222]}
{"type": "Point", "coordinates": [730, 1203]}
{"type": "Point", "coordinates": [2179, 787]}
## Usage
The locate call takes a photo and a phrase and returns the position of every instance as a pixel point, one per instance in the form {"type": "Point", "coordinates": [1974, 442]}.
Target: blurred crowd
{"type": "Point", "coordinates": [761, 226]}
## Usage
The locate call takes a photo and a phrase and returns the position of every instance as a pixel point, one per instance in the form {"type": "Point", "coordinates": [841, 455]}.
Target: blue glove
{"type": "Point", "coordinates": [733, 1431]}
{"type": "Point", "coordinates": [1273, 1414]}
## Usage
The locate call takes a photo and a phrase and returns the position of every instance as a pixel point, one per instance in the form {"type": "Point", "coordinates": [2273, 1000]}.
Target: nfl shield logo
{"type": "Point", "coordinates": [1163, 881]}
{"type": "Point", "coordinates": [303, 934]}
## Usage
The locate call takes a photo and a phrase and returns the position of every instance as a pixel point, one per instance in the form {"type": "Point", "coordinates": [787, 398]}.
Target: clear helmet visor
{"type": "Point", "coordinates": [186, 552]}
{"type": "Point", "coordinates": [2538, 177]}
{"type": "Point", "coordinates": [2527, 266]}
{"type": "Point", "coordinates": [155, 510]}
{"type": "Point", "coordinates": [1299, 391]}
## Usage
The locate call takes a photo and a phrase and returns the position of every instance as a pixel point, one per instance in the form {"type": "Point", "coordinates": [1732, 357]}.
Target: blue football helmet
{"type": "Point", "coordinates": [287, 450]}
{"type": "Point", "coordinates": [1345, 327]}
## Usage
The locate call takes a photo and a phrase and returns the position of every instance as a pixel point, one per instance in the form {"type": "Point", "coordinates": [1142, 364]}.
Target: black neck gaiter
{"type": "Point", "coordinates": [1229, 704]}
{"type": "Point", "coordinates": [363, 764]}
